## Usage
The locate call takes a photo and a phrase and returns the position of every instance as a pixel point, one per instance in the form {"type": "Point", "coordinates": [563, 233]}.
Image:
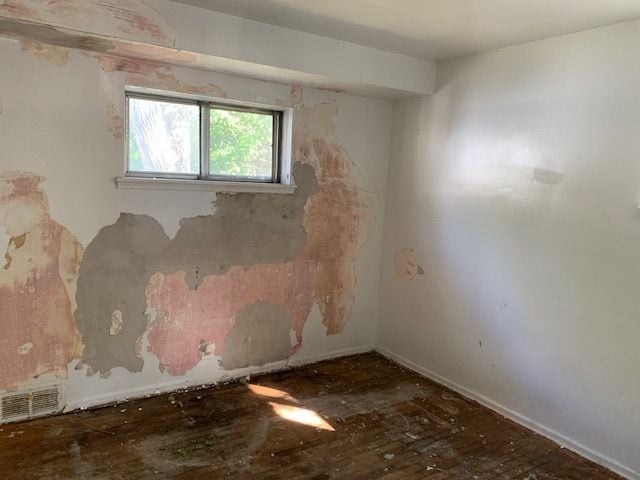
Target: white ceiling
{"type": "Point", "coordinates": [432, 29]}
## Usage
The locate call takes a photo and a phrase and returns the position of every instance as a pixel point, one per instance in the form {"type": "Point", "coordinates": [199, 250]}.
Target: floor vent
{"type": "Point", "coordinates": [21, 405]}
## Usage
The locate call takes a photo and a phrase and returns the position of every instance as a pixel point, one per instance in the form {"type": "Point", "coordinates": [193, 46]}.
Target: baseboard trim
{"type": "Point", "coordinates": [319, 357]}
{"type": "Point", "coordinates": [547, 432]}
{"type": "Point", "coordinates": [146, 391]}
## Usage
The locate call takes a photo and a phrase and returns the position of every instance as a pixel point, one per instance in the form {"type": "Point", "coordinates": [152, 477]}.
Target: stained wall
{"type": "Point", "coordinates": [511, 262]}
{"type": "Point", "coordinates": [117, 293]}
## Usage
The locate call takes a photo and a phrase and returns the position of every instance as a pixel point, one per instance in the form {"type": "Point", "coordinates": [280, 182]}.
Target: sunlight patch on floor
{"type": "Point", "coordinates": [271, 393]}
{"type": "Point", "coordinates": [301, 415]}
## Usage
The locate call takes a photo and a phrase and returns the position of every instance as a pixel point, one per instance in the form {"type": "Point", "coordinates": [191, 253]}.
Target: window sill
{"type": "Point", "coordinates": [144, 183]}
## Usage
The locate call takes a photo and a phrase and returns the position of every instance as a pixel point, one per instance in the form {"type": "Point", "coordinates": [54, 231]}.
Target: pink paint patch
{"type": "Point", "coordinates": [184, 318]}
{"type": "Point", "coordinates": [337, 218]}
{"type": "Point", "coordinates": [332, 225]}
{"type": "Point", "coordinates": [35, 306]}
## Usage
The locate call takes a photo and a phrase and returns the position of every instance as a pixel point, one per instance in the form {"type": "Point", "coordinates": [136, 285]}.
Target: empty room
{"type": "Point", "coordinates": [319, 240]}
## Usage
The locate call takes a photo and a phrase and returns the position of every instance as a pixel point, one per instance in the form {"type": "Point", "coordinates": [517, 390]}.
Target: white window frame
{"type": "Point", "coordinates": [280, 182]}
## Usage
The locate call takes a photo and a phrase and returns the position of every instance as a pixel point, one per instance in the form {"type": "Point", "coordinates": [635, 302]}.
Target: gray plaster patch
{"type": "Point", "coordinates": [245, 229]}
{"type": "Point", "coordinates": [548, 177]}
{"type": "Point", "coordinates": [260, 335]}
{"type": "Point", "coordinates": [114, 273]}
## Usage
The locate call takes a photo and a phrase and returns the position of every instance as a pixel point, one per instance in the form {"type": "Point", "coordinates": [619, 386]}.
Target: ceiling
{"type": "Point", "coordinates": [432, 29]}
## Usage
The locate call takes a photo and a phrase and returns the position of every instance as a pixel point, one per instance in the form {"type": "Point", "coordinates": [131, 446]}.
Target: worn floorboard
{"type": "Point", "coordinates": [355, 418]}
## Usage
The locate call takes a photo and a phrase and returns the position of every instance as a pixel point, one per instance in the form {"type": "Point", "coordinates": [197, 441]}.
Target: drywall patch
{"type": "Point", "coordinates": [548, 177]}
{"type": "Point", "coordinates": [114, 272]}
{"type": "Point", "coordinates": [406, 265]}
{"type": "Point", "coordinates": [260, 335]}
{"type": "Point", "coordinates": [39, 335]}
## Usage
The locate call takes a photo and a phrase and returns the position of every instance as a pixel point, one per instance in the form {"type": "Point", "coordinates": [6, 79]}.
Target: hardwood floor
{"type": "Point", "coordinates": [356, 418]}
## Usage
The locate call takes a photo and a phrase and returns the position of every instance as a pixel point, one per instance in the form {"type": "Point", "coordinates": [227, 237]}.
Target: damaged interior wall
{"type": "Point", "coordinates": [117, 293]}
{"type": "Point", "coordinates": [509, 264]}
{"type": "Point", "coordinates": [515, 191]}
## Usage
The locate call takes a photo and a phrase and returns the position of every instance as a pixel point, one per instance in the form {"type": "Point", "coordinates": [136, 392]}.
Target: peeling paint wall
{"type": "Point", "coordinates": [133, 19]}
{"type": "Point", "coordinates": [114, 272]}
{"type": "Point", "coordinates": [174, 288]}
{"type": "Point", "coordinates": [37, 283]}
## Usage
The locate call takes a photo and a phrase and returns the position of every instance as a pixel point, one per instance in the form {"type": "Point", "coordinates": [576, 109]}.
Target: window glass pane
{"type": "Point", "coordinates": [241, 144]}
{"type": "Point", "coordinates": [163, 136]}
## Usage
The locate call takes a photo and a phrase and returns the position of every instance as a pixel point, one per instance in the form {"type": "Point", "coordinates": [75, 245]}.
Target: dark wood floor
{"type": "Point", "coordinates": [362, 418]}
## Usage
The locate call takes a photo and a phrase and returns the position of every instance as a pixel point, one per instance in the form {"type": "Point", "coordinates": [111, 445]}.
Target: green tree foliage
{"type": "Point", "coordinates": [241, 144]}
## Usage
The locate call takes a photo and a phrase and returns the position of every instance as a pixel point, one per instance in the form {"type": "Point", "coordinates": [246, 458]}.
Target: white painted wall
{"type": "Point", "coordinates": [530, 299]}
{"type": "Point", "coordinates": [54, 122]}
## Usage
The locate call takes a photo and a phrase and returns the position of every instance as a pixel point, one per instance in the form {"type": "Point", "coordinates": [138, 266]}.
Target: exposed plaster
{"type": "Point", "coordinates": [290, 251]}
{"type": "Point", "coordinates": [39, 334]}
{"type": "Point", "coordinates": [114, 272]}
{"type": "Point", "coordinates": [246, 229]}
{"type": "Point", "coordinates": [260, 335]}
{"type": "Point", "coordinates": [186, 293]}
